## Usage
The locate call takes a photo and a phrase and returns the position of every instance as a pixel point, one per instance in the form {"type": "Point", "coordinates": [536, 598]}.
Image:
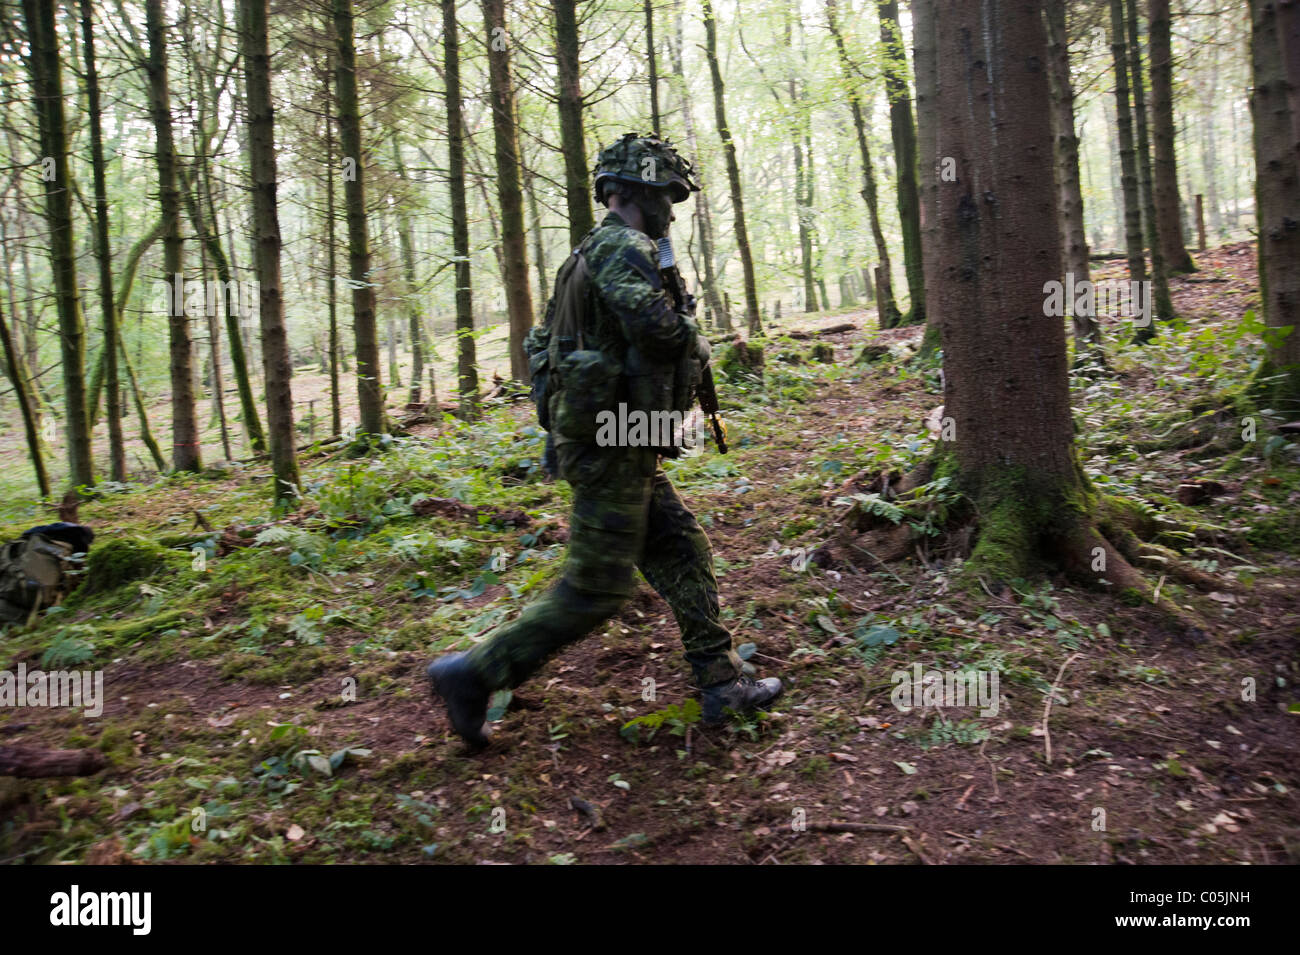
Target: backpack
{"type": "Point", "coordinates": [571, 384]}
{"type": "Point", "coordinates": [36, 572]}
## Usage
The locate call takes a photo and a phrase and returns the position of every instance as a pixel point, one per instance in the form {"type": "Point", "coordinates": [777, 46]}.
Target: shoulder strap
{"type": "Point", "coordinates": [570, 303]}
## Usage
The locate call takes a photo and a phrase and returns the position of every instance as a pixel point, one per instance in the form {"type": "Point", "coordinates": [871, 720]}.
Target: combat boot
{"type": "Point", "coordinates": [741, 694]}
{"type": "Point", "coordinates": [460, 688]}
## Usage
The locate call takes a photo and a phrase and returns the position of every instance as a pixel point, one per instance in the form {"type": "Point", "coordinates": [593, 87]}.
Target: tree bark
{"type": "Point", "coordinates": [18, 374]}
{"type": "Point", "coordinates": [925, 63]}
{"type": "Point", "coordinates": [514, 241]}
{"type": "Point", "coordinates": [370, 388]}
{"type": "Point", "coordinates": [466, 362]}
{"type": "Point", "coordinates": [28, 762]}
{"type": "Point", "coordinates": [577, 188]}
{"type": "Point", "coordinates": [1277, 204]}
{"type": "Point", "coordinates": [1164, 307]}
{"type": "Point", "coordinates": [1137, 263]}
{"type": "Point", "coordinates": [890, 316]}
{"type": "Point", "coordinates": [331, 261]}
{"type": "Point", "coordinates": [753, 319]}
{"type": "Point", "coordinates": [1169, 223]}
{"type": "Point", "coordinates": [276, 366]}
{"type": "Point", "coordinates": [903, 133]}
{"type": "Point", "coordinates": [186, 451]}
{"type": "Point", "coordinates": [47, 89]}
{"type": "Point", "coordinates": [1074, 242]}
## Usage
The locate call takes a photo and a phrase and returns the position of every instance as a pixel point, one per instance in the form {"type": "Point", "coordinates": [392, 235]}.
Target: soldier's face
{"type": "Point", "coordinates": [657, 209]}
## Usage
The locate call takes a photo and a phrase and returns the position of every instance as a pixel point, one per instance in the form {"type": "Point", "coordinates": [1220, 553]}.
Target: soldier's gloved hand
{"type": "Point", "coordinates": [701, 349]}
{"type": "Point", "coordinates": [688, 305]}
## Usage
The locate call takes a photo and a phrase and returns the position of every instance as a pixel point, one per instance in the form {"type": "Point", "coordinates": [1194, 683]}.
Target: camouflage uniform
{"type": "Point", "coordinates": [626, 514]}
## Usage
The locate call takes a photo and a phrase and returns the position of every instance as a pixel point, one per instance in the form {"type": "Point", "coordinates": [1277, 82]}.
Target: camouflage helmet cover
{"type": "Point", "coordinates": [645, 160]}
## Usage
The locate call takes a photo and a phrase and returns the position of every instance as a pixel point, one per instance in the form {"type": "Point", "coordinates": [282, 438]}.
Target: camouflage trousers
{"type": "Point", "coordinates": [626, 517]}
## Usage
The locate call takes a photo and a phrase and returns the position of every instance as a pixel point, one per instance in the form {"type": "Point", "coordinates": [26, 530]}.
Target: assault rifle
{"type": "Point", "coordinates": [705, 392]}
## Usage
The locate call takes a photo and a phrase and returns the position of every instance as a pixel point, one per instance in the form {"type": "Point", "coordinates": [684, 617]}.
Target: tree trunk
{"type": "Point", "coordinates": [577, 188]}
{"type": "Point", "coordinates": [999, 245]}
{"type": "Point", "coordinates": [1137, 263]}
{"type": "Point", "coordinates": [276, 366]}
{"type": "Point", "coordinates": [539, 241]}
{"type": "Point", "coordinates": [925, 62]}
{"type": "Point", "coordinates": [1277, 205]}
{"type": "Point", "coordinates": [47, 90]}
{"type": "Point", "coordinates": [514, 244]}
{"type": "Point", "coordinates": [708, 249]}
{"type": "Point", "coordinates": [466, 362]}
{"type": "Point", "coordinates": [370, 387]}
{"type": "Point", "coordinates": [26, 405]}
{"type": "Point", "coordinates": [903, 133]}
{"type": "Point", "coordinates": [652, 64]}
{"type": "Point", "coordinates": [1169, 224]}
{"type": "Point", "coordinates": [103, 252]}
{"type": "Point", "coordinates": [331, 263]}
{"type": "Point", "coordinates": [186, 452]}
{"type": "Point", "coordinates": [1164, 308]}
{"type": "Point", "coordinates": [753, 318]}
{"type": "Point", "coordinates": [1074, 242]}
{"type": "Point", "coordinates": [890, 317]}
{"type": "Point", "coordinates": [414, 313]}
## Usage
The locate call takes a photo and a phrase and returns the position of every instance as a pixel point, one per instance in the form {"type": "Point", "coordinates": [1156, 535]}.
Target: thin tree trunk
{"type": "Point", "coordinates": [1277, 204]}
{"type": "Point", "coordinates": [890, 316]}
{"type": "Point", "coordinates": [1164, 307]}
{"type": "Point", "coordinates": [47, 89]}
{"type": "Point", "coordinates": [331, 260]}
{"type": "Point", "coordinates": [466, 362]}
{"type": "Point", "coordinates": [753, 319]}
{"type": "Point", "coordinates": [370, 388]}
{"type": "Point", "coordinates": [577, 188]}
{"type": "Point", "coordinates": [653, 65]}
{"type": "Point", "coordinates": [539, 242]}
{"type": "Point", "coordinates": [708, 249]}
{"type": "Point", "coordinates": [1168, 204]}
{"type": "Point", "coordinates": [414, 313]}
{"type": "Point", "coordinates": [903, 133]}
{"type": "Point", "coordinates": [1074, 242]}
{"type": "Point", "coordinates": [276, 366]}
{"type": "Point", "coordinates": [18, 374]}
{"type": "Point", "coordinates": [925, 63]}
{"type": "Point", "coordinates": [1137, 264]}
{"type": "Point", "coordinates": [103, 252]}
{"type": "Point", "coordinates": [514, 240]}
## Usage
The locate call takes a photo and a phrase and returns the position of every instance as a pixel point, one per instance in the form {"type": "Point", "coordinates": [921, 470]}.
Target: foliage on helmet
{"type": "Point", "coordinates": [645, 160]}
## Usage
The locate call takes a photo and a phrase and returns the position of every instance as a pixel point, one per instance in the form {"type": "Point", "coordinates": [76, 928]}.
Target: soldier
{"type": "Point", "coordinates": [626, 514]}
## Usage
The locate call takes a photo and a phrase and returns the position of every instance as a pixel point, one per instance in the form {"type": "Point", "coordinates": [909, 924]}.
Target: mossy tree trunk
{"type": "Point", "coordinates": [926, 65]}
{"type": "Point", "coordinates": [47, 89]}
{"type": "Point", "coordinates": [998, 244]}
{"type": "Point", "coordinates": [1137, 262]}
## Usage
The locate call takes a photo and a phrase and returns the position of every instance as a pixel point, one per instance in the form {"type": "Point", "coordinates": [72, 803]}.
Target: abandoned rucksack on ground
{"type": "Point", "coordinates": [40, 568]}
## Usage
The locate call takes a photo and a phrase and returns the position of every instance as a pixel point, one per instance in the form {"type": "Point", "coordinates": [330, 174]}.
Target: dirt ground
{"type": "Point", "coordinates": [1162, 749]}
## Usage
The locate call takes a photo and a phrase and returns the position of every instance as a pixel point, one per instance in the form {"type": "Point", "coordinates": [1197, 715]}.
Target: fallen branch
{"type": "Point", "coordinates": [1047, 707]}
{"type": "Point", "coordinates": [28, 762]}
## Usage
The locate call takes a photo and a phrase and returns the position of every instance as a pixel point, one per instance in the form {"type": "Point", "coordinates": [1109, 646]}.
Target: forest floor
{"type": "Point", "coordinates": [269, 704]}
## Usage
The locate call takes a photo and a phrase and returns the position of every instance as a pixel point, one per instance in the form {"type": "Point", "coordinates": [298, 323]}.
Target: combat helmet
{"type": "Point", "coordinates": [645, 160]}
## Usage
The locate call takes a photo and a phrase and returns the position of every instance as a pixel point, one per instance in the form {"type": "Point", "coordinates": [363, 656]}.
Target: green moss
{"type": "Point", "coordinates": [125, 560]}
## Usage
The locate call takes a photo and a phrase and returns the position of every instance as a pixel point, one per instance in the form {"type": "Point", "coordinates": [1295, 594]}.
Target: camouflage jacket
{"type": "Point", "coordinates": [627, 302]}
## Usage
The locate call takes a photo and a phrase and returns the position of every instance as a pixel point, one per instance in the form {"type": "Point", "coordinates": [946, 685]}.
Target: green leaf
{"type": "Point", "coordinates": [746, 650]}
{"type": "Point", "coordinates": [907, 768]}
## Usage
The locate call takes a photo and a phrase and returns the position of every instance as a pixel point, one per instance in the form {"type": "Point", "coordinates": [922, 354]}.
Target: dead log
{"type": "Point", "coordinates": [29, 762]}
